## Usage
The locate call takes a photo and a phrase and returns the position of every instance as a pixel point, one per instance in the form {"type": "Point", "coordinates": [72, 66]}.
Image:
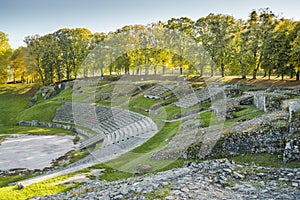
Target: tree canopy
{"type": "Point", "coordinates": [215, 44]}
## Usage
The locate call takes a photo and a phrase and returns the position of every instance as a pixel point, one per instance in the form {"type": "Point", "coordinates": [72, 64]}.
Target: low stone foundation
{"type": "Point", "coordinates": [54, 125]}
{"type": "Point", "coordinates": [268, 102]}
{"type": "Point", "coordinates": [265, 141]}
{"type": "Point", "coordinates": [292, 149]}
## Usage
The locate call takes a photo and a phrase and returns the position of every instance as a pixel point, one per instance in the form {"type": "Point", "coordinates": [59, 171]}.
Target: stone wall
{"type": "Point", "coordinates": [265, 141]}
{"type": "Point", "coordinates": [292, 148]}
{"type": "Point", "coordinates": [54, 125]}
{"type": "Point", "coordinates": [265, 134]}
{"type": "Point", "coordinates": [268, 102]}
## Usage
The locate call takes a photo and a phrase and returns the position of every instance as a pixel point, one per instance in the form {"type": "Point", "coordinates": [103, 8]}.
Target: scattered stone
{"type": "Point", "coordinates": [196, 181]}
{"type": "Point", "coordinates": [142, 169]}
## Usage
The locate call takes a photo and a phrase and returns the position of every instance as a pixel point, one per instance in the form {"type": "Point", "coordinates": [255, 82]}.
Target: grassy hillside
{"type": "Point", "coordinates": [14, 99]}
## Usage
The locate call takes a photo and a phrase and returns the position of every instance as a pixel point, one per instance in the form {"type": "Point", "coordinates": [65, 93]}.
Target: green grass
{"type": "Point", "coordinates": [127, 162]}
{"type": "Point", "coordinates": [265, 160]}
{"type": "Point", "coordinates": [13, 105]}
{"type": "Point", "coordinates": [5, 180]}
{"type": "Point", "coordinates": [37, 189]}
{"type": "Point", "coordinates": [37, 112]}
{"type": "Point", "coordinates": [247, 112]}
{"type": "Point", "coordinates": [144, 103]}
{"type": "Point", "coordinates": [13, 100]}
{"type": "Point", "coordinates": [160, 139]}
{"type": "Point", "coordinates": [209, 118]}
{"type": "Point", "coordinates": [111, 174]}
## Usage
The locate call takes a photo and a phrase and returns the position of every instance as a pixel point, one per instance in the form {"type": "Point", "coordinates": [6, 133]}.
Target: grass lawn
{"type": "Point", "coordinates": [14, 99]}
{"type": "Point", "coordinates": [248, 112]}
{"type": "Point", "coordinates": [37, 189]}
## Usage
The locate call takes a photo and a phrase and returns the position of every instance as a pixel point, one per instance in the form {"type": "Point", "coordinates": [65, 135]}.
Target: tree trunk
{"type": "Point", "coordinates": [223, 71]}
{"type": "Point", "coordinates": [291, 74]}
{"type": "Point", "coordinates": [68, 73]}
{"type": "Point", "coordinates": [297, 75]}
{"type": "Point", "coordinates": [211, 72]}
{"type": "Point", "coordinates": [201, 71]}
{"type": "Point", "coordinates": [265, 74]}
{"type": "Point", "coordinates": [254, 73]}
{"type": "Point", "coordinates": [244, 76]}
{"type": "Point", "coordinates": [180, 70]}
{"type": "Point", "coordinates": [101, 71]}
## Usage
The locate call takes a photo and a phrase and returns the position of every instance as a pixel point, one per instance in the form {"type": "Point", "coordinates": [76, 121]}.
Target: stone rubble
{"type": "Point", "coordinates": [213, 179]}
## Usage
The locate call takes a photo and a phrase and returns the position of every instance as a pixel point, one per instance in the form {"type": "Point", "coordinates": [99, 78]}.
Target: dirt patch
{"type": "Point", "coordinates": [33, 152]}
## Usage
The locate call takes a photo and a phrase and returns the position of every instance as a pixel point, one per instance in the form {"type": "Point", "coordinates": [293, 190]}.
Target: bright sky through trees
{"type": "Point", "coordinates": [20, 18]}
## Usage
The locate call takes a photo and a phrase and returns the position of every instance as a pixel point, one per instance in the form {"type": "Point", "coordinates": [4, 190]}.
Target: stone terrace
{"type": "Point", "coordinates": [120, 131]}
{"type": "Point", "coordinates": [111, 124]}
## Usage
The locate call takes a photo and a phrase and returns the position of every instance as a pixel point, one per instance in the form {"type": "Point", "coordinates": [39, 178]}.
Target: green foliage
{"type": "Point", "coordinates": [215, 32]}
{"type": "Point", "coordinates": [210, 45]}
{"type": "Point", "coordinates": [5, 52]}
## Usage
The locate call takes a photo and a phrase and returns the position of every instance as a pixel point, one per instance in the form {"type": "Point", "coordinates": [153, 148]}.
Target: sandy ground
{"type": "Point", "coordinates": [33, 152]}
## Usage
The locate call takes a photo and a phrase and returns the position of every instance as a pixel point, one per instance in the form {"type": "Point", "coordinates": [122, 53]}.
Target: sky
{"type": "Point", "coordinates": [21, 18]}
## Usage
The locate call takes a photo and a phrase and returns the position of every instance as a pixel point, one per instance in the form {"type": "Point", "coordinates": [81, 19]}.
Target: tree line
{"type": "Point", "coordinates": [215, 44]}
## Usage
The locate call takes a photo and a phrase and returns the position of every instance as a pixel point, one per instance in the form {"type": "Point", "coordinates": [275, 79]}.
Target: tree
{"type": "Point", "coordinates": [240, 57]}
{"type": "Point", "coordinates": [35, 51]}
{"type": "Point", "coordinates": [259, 26]}
{"type": "Point", "coordinates": [276, 51]}
{"type": "Point", "coordinates": [52, 59]}
{"type": "Point", "coordinates": [295, 52]}
{"type": "Point", "coordinates": [5, 52]}
{"type": "Point", "coordinates": [178, 39]}
{"type": "Point", "coordinates": [17, 64]}
{"type": "Point", "coordinates": [214, 33]}
{"type": "Point", "coordinates": [74, 44]}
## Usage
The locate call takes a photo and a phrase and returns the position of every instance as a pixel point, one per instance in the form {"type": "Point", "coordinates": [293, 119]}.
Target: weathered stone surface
{"type": "Point", "coordinates": [292, 148]}
{"type": "Point", "coordinates": [268, 102]}
{"type": "Point", "coordinates": [215, 179]}
{"type": "Point", "coordinates": [266, 133]}
{"type": "Point", "coordinates": [142, 169]}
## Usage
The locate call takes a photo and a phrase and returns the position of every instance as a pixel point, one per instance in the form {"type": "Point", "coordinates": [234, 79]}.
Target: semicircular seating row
{"type": "Point", "coordinates": [186, 96]}
{"type": "Point", "coordinates": [112, 125]}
